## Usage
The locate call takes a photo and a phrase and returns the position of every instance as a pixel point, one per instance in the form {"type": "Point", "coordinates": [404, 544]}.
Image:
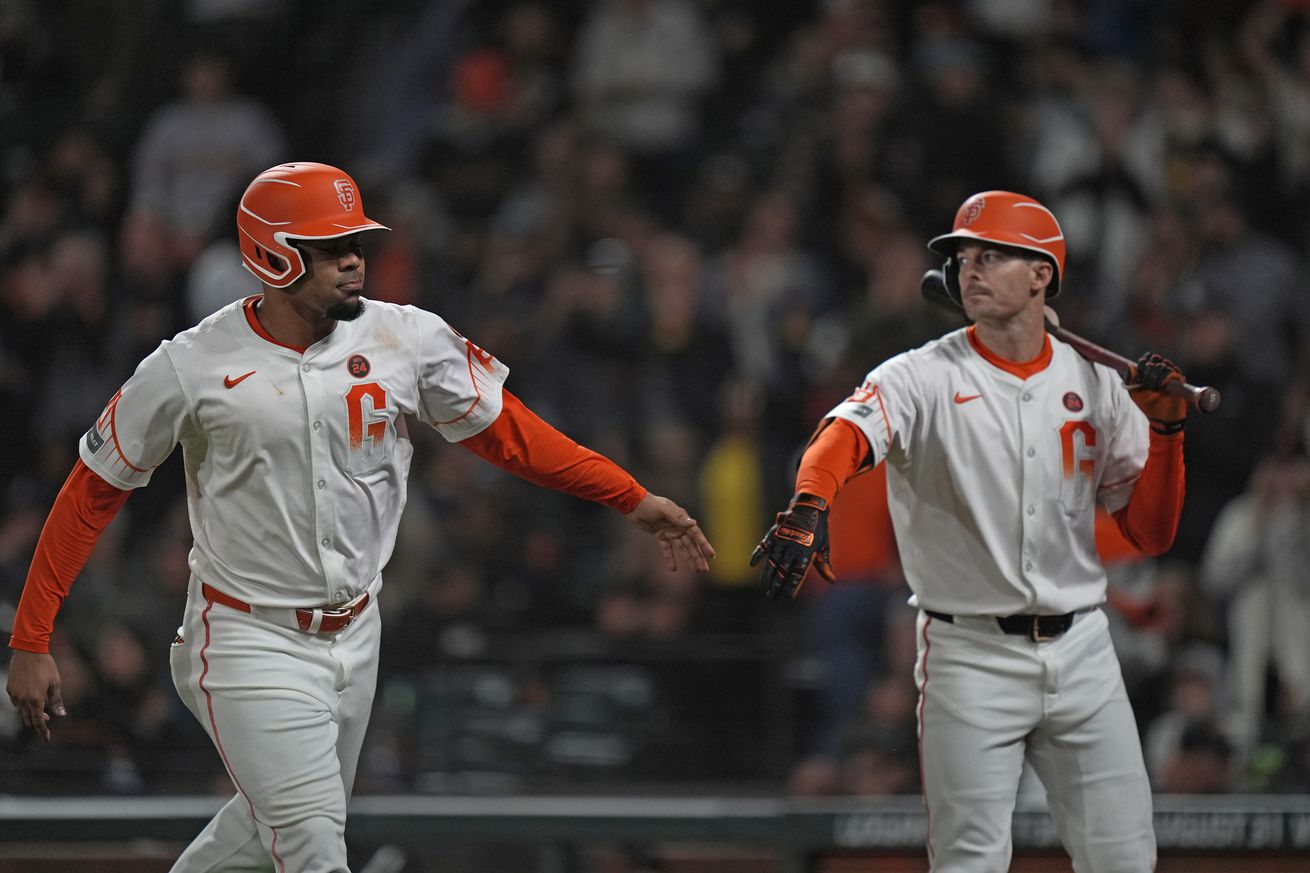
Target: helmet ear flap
{"type": "Point", "coordinates": [273, 260]}
{"type": "Point", "coordinates": [951, 271]}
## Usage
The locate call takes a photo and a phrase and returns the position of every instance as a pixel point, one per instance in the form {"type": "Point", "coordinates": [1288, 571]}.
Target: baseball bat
{"type": "Point", "coordinates": [1205, 399]}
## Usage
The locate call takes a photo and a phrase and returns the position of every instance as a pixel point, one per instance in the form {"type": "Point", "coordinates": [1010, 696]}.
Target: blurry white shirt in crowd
{"type": "Point", "coordinates": [625, 83]}
{"type": "Point", "coordinates": [216, 279]}
{"type": "Point", "coordinates": [1012, 19]}
{"type": "Point", "coordinates": [219, 10]}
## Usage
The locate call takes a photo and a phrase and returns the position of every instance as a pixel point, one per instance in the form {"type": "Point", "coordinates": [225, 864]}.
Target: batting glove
{"type": "Point", "coordinates": [1146, 381]}
{"type": "Point", "coordinates": [798, 539]}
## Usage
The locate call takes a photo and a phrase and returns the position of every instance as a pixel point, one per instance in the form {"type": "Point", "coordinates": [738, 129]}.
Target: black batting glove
{"type": "Point", "coordinates": [1146, 381]}
{"type": "Point", "coordinates": [798, 538]}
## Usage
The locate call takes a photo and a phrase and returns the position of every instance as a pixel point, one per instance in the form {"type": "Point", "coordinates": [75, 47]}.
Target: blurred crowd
{"type": "Point", "coordinates": [688, 227]}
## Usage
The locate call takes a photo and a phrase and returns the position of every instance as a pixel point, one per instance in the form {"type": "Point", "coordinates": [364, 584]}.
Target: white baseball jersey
{"type": "Point", "coordinates": [295, 463]}
{"type": "Point", "coordinates": [993, 478]}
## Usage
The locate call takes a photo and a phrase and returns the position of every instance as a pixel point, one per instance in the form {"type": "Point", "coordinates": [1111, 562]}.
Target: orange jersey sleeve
{"type": "Point", "coordinates": [521, 443]}
{"type": "Point", "coordinates": [1150, 519]}
{"type": "Point", "coordinates": [84, 506]}
{"type": "Point", "coordinates": [835, 454]}
{"type": "Point", "coordinates": [1112, 546]}
{"type": "Point", "coordinates": [860, 529]}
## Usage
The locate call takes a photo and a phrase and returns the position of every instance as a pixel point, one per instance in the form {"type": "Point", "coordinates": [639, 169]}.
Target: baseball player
{"type": "Point", "coordinates": [999, 440]}
{"type": "Point", "coordinates": [289, 409]}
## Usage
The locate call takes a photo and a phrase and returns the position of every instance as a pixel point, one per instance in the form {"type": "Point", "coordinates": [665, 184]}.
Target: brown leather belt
{"type": "Point", "coordinates": [1037, 628]}
{"type": "Point", "coordinates": [313, 620]}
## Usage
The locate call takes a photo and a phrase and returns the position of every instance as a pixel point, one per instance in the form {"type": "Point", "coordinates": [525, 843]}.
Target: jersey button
{"type": "Point", "coordinates": [1032, 510]}
{"type": "Point", "coordinates": [317, 425]}
{"type": "Point", "coordinates": [304, 368]}
{"type": "Point", "coordinates": [322, 483]}
{"type": "Point", "coordinates": [1028, 566]}
{"type": "Point", "coordinates": [1031, 451]}
{"type": "Point", "coordinates": [325, 542]}
{"type": "Point", "coordinates": [1026, 397]}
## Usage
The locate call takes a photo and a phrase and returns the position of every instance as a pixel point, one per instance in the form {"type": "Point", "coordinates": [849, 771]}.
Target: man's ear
{"type": "Point", "coordinates": [1043, 273]}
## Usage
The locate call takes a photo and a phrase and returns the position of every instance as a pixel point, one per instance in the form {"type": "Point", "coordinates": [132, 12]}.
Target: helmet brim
{"type": "Point", "coordinates": [335, 231]}
{"type": "Point", "coordinates": [948, 244]}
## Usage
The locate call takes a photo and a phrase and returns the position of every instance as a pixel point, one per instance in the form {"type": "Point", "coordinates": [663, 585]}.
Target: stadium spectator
{"type": "Point", "coordinates": [1203, 764]}
{"type": "Point", "coordinates": [1194, 697]}
{"type": "Point", "coordinates": [628, 92]}
{"type": "Point", "coordinates": [194, 153]}
{"type": "Point", "coordinates": [1255, 564]}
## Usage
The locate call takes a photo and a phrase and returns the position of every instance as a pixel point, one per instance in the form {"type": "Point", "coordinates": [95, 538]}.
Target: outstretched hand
{"type": "Point", "coordinates": [33, 686]}
{"type": "Point", "coordinates": [679, 535]}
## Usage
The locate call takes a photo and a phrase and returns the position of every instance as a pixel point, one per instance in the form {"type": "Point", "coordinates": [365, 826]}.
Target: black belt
{"type": "Point", "coordinates": [1035, 627]}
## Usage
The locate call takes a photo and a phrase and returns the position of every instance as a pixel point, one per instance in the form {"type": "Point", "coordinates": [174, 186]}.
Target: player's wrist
{"type": "Point", "coordinates": [805, 498]}
{"type": "Point", "coordinates": [1168, 428]}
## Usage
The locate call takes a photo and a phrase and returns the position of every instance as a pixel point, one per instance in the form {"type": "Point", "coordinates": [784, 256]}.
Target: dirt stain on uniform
{"type": "Point", "coordinates": [387, 339]}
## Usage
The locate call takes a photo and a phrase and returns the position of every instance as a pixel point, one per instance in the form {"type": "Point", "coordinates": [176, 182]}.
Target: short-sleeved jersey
{"type": "Point", "coordinates": [296, 463]}
{"type": "Point", "coordinates": [993, 478]}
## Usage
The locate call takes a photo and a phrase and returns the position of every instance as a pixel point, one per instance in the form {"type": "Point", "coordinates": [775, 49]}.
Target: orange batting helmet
{"type": "Point", "coordinates": [1004, 219]}
{"type": "Point", "coordinates": [290, 202]}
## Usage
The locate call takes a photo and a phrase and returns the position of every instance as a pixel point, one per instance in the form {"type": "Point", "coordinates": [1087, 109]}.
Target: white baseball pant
{"type": "Point", "coordinates": [287, 711]}
{"type": "Point", "coordinates": [987, 700]}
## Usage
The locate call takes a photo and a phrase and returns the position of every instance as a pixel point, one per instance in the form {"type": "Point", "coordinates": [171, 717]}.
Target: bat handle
{"type": "Point", "coordinates": [1202, 398]}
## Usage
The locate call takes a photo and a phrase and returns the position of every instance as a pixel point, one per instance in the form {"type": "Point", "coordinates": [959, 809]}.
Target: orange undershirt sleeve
{"type": "Point", "coordinates": [84, 506]}
{"type": "Point", "coordinates": [835, 454]}
{"type": "Point", "coordinates": [521, 443]}
{"type": "Point", "coordinates": [1150, 520]}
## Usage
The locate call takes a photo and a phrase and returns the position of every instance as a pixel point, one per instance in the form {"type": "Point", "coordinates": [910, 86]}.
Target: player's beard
{"type": "Point", "coordinates": [344, 310]}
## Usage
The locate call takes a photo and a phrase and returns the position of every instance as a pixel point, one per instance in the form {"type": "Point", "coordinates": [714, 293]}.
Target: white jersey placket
{"type": "Point", "coordinates": [320, 433]}
{"type": "Point", "coordinates": [1034, 430]}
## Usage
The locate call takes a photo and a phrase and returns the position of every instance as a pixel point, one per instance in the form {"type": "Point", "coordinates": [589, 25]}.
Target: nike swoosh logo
{"type": "Point", "coordinates": [959, 399]}
{"type": "Point", "coordinates": [229, 382]}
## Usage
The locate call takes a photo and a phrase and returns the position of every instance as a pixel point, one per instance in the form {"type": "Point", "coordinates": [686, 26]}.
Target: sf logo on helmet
{"type": "Point", "coordinates": [345, 193]}
{"type": "Point", "coordinates": [975, 209]}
